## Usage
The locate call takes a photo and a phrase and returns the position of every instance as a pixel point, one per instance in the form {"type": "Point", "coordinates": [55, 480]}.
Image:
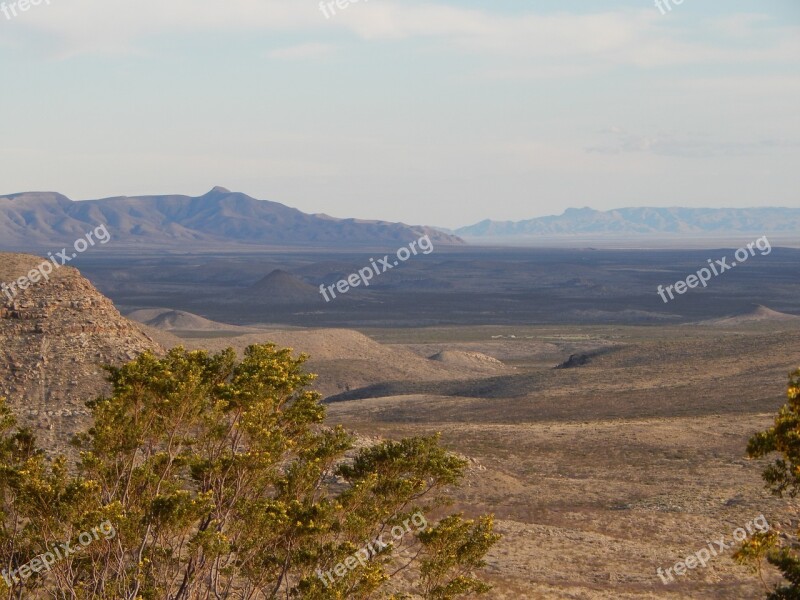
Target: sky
{"type": "Point", "coordinates": [439, 113]}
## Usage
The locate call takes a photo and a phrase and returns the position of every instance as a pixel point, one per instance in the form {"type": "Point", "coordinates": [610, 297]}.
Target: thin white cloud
{"type": "Point", "coordinates": [113, 26]}
{"type": "Point", "coordinates": [631, 37]}
{"type": "Point", "coordinates": [302, 51]}
{"type": "Point", "coordinates": [666, 144]}
{"type": "Point", "coordinates": [739, 25]}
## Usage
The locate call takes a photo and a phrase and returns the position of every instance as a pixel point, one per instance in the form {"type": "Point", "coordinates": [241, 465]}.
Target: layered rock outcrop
{"type": "Point", "coordinates": [54, 338]}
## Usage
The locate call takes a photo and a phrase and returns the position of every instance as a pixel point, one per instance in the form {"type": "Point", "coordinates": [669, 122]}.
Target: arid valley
{"type": "Point", "coordinates": [605, 450]}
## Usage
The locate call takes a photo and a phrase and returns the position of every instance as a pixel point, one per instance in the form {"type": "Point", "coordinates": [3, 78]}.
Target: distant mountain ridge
{"type": "Point", "coordinates": [643, 220]}
{"type": "Point", "coordinates": [32, 220]}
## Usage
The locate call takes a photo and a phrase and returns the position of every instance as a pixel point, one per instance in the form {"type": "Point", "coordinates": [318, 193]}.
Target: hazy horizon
{"type": "Point", "coordinates": [433, 112]}
{"type": "Point", "coordinates": [509, 238]}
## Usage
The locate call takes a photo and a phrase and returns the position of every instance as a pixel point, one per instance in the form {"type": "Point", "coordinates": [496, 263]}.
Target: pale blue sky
{"type": "Point", "coordinates": [425, 112]}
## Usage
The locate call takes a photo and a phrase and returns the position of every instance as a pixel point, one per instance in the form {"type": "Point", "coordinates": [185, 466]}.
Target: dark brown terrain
{"type": "Point", "coordinates": [450, 286]}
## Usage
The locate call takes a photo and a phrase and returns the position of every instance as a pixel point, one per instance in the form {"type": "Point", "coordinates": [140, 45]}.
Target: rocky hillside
{"type": "Point", "coordinates": [54, 337]}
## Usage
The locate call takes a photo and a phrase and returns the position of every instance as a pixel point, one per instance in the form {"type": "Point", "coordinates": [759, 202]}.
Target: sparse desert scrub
{"type": "Point", "coordinates": [210, 477]}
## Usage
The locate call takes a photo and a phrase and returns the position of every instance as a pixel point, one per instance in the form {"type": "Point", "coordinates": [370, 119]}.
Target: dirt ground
{"type": "Point", "coordinates": [601, 474]}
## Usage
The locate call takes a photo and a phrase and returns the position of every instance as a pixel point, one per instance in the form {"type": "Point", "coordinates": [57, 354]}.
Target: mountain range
{"type": "Point", "coordinates": [225, 219]}
{"type": "Point", "coordinates": [643, 220]}
{"type": "Point", "coordinates": [33, 220]}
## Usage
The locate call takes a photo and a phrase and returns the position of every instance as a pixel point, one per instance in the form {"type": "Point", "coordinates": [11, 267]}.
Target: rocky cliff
{"type": "Point", "coordinates": [54, 337]}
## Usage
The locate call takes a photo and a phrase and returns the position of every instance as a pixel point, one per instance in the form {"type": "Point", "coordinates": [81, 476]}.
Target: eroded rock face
{"type": "Point", "coordinates": [54, 338]}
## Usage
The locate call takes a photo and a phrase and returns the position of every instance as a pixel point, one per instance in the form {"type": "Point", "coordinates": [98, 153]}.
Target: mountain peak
{"type": "Point", "coordinates": [218, 189]}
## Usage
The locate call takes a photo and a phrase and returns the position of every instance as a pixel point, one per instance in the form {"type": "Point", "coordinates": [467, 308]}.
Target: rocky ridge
{"type": "Point", "coordinates": [54, 338]}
